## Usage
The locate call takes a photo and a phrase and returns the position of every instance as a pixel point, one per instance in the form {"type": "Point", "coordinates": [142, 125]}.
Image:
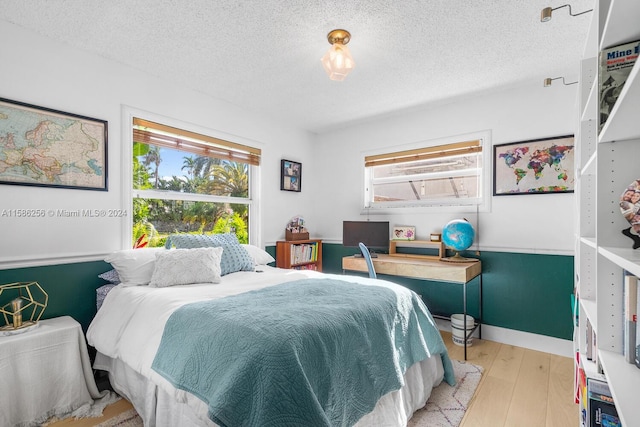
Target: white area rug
{"type": "Point", "coordinates": [128, 418]}
{"type": "Point", "coordinates": [447, 405]}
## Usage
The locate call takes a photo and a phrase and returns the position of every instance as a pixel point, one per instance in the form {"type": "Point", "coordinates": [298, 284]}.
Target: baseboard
{"type": "Point", "coordinates": [528, 340]}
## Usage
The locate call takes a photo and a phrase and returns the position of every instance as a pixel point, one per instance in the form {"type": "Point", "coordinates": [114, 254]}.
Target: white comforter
{"type": "Point", "coordinates": [130, 323]}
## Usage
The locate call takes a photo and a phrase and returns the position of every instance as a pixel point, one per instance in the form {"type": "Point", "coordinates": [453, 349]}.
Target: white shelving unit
{"type": "Point", "coordinates": [607, 162]}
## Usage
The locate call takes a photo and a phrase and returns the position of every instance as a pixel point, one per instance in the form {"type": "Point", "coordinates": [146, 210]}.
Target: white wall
{"type": "Point", "coordinates": [38, 71]}
{"type": "Point", "coordinates": [523, 223]}
{"type": "Point", "coordinates": [51, 74]}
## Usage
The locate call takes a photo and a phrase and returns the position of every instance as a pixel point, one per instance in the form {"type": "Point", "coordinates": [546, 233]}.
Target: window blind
{"type": "Point", "coordinates": [148, 132]}
{"type": "Point", "coordinates": [435, 152]}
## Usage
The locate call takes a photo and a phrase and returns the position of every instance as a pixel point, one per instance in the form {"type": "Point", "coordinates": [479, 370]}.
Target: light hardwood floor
{"type": "Point", "coordinates": [519, 388]}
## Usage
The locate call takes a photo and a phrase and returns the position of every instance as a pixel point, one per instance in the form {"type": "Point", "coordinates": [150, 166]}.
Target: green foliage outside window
{"type": "Point", "coordinates": [155, 219]}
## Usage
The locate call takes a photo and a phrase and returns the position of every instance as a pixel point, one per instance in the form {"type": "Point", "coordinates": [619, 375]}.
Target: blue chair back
{"type": "Point", "coordinates": [367, 257]}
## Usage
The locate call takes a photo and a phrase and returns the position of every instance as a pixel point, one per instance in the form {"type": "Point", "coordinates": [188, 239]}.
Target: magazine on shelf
{"type": "Point", "coordinates": [615, 65]}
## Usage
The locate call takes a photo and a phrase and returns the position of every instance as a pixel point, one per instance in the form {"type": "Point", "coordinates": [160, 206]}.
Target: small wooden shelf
{"type": "Point", "coordinates": [393, 244]}
{"type": "Point", "coordinates": [299, 254]}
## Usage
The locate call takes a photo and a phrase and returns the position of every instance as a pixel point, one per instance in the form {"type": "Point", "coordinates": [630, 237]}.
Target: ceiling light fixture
{"type": "Point", "coordinates": [338, 62]}
{"type": "Point", "coordinates": [546, 12]}
{"type": "Point", "coordinates": [548, 80]}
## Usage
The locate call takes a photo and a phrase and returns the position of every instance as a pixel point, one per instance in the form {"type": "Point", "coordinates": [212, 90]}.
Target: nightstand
{"type": "Point", "coordinates": [44, 372]}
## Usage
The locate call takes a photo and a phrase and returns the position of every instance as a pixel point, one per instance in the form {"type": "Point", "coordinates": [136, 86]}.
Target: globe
{"type": "Point", "coordinates": [458, 235]}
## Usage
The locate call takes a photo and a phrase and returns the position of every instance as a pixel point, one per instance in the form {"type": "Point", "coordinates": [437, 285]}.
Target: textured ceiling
{"type": "Point", "coordinates": [264, 55]}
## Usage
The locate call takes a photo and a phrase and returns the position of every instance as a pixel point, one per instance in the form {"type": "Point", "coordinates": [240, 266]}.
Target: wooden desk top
{"type": "Point", "coordinates": [426, 269]}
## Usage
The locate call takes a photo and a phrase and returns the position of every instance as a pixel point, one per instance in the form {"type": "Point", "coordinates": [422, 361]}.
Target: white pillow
{"type": "Point", "coordinates": [187, 266]}
{"type": "Point", "coordinates": [259, 256]}
{"type": "Point", "coordinates": [134, 266]}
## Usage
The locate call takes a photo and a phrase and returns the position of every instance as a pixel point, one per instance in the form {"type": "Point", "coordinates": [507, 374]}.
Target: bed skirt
{"type": "Point", "coordinates": [159, 408]}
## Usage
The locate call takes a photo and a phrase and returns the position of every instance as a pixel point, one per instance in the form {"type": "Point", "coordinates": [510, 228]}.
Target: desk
{"type": "Point", "coordinates": [426, 269]}
{"type": "Point", "coordinates": [44, 372]}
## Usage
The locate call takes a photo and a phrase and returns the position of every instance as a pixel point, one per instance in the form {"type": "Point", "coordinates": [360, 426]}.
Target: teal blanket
{"type": "Point", "coordinates": [314, 352]}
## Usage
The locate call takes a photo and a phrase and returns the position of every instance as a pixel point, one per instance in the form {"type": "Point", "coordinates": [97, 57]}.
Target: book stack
{"type": "Point", "coordinates": [304, 253]}
{"type": "Point", "coordinates": [615, 65]}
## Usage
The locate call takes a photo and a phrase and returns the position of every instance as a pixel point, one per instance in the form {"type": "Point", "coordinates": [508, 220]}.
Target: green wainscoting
{"type": "Point", "coordinates": [525, 292]}
{"type": "Point", "coordinates": [71, 287]}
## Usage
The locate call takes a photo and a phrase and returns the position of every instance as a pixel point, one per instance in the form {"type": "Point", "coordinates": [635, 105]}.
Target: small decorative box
{"type": "Point", "coordinates": [404, 233]}
{"type": "Point", "coordinates": [302, 235]}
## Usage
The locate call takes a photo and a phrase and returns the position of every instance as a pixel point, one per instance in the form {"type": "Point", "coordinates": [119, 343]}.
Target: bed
{"type": "Point", "coordinates": [289, 373]}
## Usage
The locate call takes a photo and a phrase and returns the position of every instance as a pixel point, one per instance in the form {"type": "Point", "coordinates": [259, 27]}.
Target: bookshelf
{"type": "Point", "coordinates": [299, 254]}
{"type": "Point", "coordinates": [607, 163]}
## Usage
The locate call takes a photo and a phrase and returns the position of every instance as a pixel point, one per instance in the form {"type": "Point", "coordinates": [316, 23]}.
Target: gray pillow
{"type": "Point", "coordinates": [110, 276]}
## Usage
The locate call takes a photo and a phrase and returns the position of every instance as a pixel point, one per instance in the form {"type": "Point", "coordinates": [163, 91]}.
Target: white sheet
{"type": "Point", "coordinates": [128, 329]}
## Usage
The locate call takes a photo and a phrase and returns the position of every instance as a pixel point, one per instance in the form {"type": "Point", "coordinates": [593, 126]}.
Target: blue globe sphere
{"type": "Point", "coordinates": [458, 234]}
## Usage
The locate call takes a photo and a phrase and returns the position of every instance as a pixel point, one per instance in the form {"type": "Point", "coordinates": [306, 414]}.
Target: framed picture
{"type": "Point", "coordinates": [49, 148]}
{"type": "Point", "coordinates": [538, 166]}
{"type": "Point", "coordinates": [290, 176]}
{"type": "Point", "coordinates": [404, 233]}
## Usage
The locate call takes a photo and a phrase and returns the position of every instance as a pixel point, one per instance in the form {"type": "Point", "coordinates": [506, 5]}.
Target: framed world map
{"type": "Point", "coordinates": [44, 147]}
{"type": "Point", "coordinates": [537, 166]}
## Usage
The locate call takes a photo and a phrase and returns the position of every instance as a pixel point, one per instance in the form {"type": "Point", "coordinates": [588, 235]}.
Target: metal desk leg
{"type": "Point", "coordinates": [464, 302]}
{"type": "Point", "coordinates": [464, 318]}
{"type": "Point", "coordinates": [480, 308]}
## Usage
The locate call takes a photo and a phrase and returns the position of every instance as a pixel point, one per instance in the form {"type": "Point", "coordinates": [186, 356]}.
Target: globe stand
{"type": "Point", "coordinates": [458, 258]}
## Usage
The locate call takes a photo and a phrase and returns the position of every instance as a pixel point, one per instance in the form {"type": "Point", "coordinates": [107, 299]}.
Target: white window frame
{"type": "Point", "coordinates": [479, 204]}
{"type": "Point", "coordinates": [253, 201]}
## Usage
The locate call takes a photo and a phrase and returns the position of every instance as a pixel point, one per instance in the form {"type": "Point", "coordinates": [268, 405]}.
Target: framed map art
{"type": "Point", "coordinates": [537, 166]}
{"type": "Point", "coordinates": [49, 148]}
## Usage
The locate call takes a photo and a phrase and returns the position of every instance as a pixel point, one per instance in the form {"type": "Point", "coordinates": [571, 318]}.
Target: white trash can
{"type": "Point", "coordinates": [458, 331]}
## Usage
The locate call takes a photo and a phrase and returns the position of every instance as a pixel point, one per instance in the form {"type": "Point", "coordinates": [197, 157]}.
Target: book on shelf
{"type": "Point", "coordinates": [578, 374]}
{"type": "Point", "coordinates": [602, 409]}
{"type": "Point", "coordinates": [615, 65]}
{"type": "Point", "coordinates": [589, 334]}
{"type": "Point", "coordinates": [635, 354]}
{"type": "Point", "coordinates": [305, 267]}
{"type": "Point", "coordinates": [594, 350]}
{"type": "Point", "coordinates": [581, 394]}
{"type": "Point", "coordinates": [629, 337]}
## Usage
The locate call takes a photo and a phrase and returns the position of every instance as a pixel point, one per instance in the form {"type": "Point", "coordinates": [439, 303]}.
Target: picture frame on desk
{"type": "Point", "coordinates": [537, 166]}
{"type": "Point", "coordinates": [404, 233]}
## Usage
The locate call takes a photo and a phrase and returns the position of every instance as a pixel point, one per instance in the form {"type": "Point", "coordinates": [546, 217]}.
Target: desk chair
{"type": "Point", "coordinates": [367, 257]}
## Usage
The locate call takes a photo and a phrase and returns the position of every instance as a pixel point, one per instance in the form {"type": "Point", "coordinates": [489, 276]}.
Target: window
{"type": "Point", "coordinates": [188, 182]}
{"type": "Point", "coordinates": [439, 175]}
